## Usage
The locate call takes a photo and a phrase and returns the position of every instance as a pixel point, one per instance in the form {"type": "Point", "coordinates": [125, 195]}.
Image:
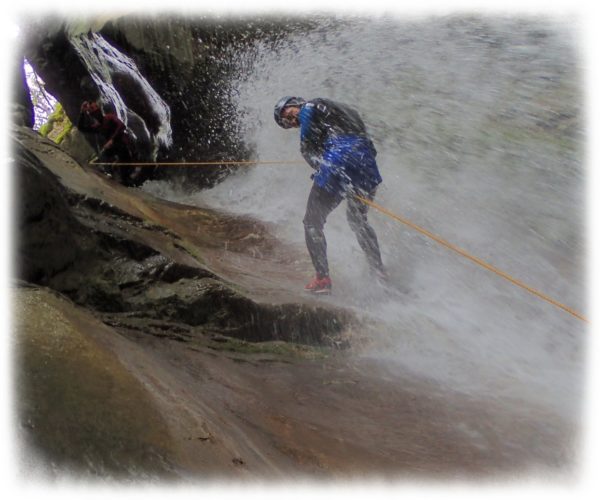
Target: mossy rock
{"type": "Point", "coordinates": [58, 125]}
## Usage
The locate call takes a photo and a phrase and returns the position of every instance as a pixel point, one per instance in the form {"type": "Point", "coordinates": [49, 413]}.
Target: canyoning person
{"type": "Point", "coordinates": [117, 146]}
{"type": "Point", "coordinates": [335, 143]}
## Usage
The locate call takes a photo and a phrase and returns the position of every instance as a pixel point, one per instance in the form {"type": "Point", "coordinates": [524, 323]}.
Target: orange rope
{"type": "Point", "coordinates": [195, 163]}
{"type": "Point", "coordinates": [472, 258]}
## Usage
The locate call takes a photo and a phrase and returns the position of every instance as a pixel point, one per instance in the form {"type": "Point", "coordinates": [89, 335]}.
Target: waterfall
{"type": "Point", "coordinates": [477, 122]}
{"type": "Point", "coordinates": [105, 63]}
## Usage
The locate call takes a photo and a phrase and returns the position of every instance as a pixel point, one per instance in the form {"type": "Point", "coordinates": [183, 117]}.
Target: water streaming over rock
{"type": "Point", "coordinates": [478, 126]}
{"type": "Point", "coordinates": [113, 72]}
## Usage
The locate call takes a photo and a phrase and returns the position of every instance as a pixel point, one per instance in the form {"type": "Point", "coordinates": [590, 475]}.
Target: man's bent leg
{"type": "Point", "coordinates": [319, 206]}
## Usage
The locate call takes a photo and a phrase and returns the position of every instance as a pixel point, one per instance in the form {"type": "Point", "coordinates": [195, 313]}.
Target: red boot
{"type": "Point", "coordinates": [319, 285]}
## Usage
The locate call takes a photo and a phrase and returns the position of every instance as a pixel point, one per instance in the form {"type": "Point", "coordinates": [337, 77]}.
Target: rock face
{"type": "Point", "coordinates": [79, 406]}
{"type": "Point", "coordinates": [44, 220]}
{"type": "Point", "coordinates": [140, 65]}
{"type": "Point", "coordinates": [114, 253]}
{"type": "Point", "coordinates": [80, 237]}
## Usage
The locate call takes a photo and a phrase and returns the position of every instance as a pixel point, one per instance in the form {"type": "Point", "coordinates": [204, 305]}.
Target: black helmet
{"type": "Point", "coordinates": [284, 102]}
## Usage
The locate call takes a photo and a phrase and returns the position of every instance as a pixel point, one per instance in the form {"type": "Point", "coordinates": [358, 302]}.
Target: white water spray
{"type": "Point", "coordinates": [104, 62]}
{"type": "Point", "coordinates": [478, 128]}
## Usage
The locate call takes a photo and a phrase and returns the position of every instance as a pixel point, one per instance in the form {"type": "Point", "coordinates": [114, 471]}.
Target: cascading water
{"type": "Point", "coordinates": [104, 63]}
{"type": "Point", "coordinates": [477, 122]}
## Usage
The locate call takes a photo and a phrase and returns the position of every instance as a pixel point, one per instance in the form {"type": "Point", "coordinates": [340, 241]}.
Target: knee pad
{"type": "Point", "coordinates": [311, 223]}
{"type": "Point", "coordinates": [313, 233]}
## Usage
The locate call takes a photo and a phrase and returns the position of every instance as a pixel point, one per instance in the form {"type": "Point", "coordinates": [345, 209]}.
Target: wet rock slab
{"type": "Point", "coordinates": [78, 405]}
{"type": "Point", "coordinates": [116, 250]}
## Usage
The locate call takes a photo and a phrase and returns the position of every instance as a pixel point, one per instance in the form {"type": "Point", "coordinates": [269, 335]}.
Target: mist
{"type": "Point", "coordinates": [478, 126]}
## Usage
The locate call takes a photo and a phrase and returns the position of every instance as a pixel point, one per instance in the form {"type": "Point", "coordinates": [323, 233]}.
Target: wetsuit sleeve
{"type": "Point", "coordinates": [309, 148]}
{"type": "Point", "coordinates": [119, 127]}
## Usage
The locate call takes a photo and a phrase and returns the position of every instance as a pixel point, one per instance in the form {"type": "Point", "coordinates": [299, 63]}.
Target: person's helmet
{"type": "Point", "coordinates": [283, 103]}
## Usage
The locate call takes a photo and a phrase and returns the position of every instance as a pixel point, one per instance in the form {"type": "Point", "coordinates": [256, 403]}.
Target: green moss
{"type": "Point", "coordinates": [58, 125]}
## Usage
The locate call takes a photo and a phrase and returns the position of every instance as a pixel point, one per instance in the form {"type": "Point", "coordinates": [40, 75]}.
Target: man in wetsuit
{"type": "Point", "coordinates": [335, 143]}
{"type": "Point", "coordinates": [116, 146]}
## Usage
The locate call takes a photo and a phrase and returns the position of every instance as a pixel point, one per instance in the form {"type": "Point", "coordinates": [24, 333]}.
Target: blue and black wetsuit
{"type": "Point", "coordinates": [334, 141]}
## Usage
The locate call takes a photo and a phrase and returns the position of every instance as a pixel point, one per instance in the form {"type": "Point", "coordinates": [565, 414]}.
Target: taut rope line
{"type": "Point", "coordinates": [194, 163]}
{"type": "Point", "coordinates": [472, 258]}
